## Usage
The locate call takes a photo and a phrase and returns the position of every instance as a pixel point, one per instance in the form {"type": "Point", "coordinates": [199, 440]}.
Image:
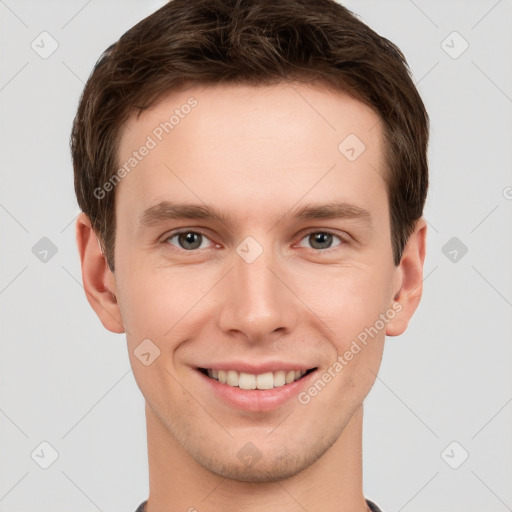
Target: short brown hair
{"type": "Point", "coordinates": [254, 42]}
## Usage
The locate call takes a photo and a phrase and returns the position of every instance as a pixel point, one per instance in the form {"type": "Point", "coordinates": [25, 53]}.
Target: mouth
{"type": "Point", "coordinates": [262, 381]}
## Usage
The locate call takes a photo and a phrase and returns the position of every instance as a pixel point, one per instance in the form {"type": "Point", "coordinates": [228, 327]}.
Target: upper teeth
{"type": "Point", "coordinates": [267, 380]}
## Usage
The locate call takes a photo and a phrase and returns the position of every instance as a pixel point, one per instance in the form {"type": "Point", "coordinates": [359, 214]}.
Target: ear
{"type": "Point", "coordinates": [409, 279]}
{"type": "Point", "coordinates": [99, 281]}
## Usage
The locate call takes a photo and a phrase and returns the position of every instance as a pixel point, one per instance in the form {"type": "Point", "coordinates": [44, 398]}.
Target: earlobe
{"type": "Point", "coordinates": [410, 279]}
{"type": "Point", "coordinates": [98, 280]}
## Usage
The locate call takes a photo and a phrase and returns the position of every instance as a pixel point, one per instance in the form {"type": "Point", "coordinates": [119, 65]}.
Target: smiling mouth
{"type": "Point", "coordinates": [245, 380]}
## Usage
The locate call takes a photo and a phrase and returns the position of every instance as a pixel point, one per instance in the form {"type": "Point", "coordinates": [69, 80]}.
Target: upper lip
{"type": "Point", "coordinates": [256, 368]}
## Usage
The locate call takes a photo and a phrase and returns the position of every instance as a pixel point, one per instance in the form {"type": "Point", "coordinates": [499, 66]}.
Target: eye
{"type": "Point", "coordinates": [322, 239]}
{"type": "Point", "coordinates": [188, 240]}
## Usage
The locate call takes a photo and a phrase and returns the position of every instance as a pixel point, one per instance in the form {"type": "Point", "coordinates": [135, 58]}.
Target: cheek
{"type": "Point", "coordinates": [153, 300]}
{"type": "Point", "coordinates": [348, 300]}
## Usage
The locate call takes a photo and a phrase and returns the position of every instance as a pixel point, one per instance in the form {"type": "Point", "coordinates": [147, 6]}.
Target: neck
{"type": "Point", "coordinates": [178, 483]}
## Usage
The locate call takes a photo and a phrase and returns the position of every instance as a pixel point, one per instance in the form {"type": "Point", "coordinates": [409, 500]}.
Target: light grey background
{"type": "Point", "coordinates": [67, 381]}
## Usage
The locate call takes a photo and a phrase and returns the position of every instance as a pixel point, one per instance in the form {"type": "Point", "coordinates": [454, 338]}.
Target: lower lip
{"type": "Point", "coordinates": [257, 400]}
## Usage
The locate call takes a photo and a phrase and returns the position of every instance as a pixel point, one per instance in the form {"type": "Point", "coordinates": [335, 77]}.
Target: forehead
{"type": "Point", "coordinates": [268, 143]}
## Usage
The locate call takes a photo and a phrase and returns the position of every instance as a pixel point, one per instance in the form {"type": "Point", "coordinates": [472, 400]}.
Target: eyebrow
{"type": "Point", "coordinates": [166, 210]}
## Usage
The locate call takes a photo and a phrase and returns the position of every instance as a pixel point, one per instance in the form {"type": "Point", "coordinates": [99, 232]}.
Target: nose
{"type": "Point", "coordinates": [258, 302]}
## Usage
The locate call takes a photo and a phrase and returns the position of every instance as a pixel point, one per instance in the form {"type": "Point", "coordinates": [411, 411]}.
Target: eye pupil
{"type": "Point", "coordinates": [188, 238]}
{"type": "Point", "coordinates": [324, 239]}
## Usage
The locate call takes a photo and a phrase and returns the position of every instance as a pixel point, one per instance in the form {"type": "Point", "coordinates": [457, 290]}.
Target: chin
{"type": "Point", "coordinates": [273, 465]}
{"type": "Point", "coordinates": [259, 473]}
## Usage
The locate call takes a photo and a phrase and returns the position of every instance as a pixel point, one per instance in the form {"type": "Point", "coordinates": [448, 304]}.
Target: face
{"type": "Point", "coordinates": [292, 279]}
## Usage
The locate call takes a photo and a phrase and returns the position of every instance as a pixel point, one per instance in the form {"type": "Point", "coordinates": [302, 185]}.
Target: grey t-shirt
{"type": "Point", "coordinates": [373, 507]}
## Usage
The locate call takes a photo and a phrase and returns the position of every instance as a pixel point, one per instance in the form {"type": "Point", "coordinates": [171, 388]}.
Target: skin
{"type": "Point", "coordinates": [255, 153]}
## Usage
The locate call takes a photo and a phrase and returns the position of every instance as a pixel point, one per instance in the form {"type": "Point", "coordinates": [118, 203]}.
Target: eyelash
{"type": "Point", "coordinates": [342, 239]}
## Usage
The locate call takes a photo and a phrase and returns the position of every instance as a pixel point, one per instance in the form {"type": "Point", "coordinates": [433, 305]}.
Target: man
{"type": "Point", "coordinates": [252, 177]}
